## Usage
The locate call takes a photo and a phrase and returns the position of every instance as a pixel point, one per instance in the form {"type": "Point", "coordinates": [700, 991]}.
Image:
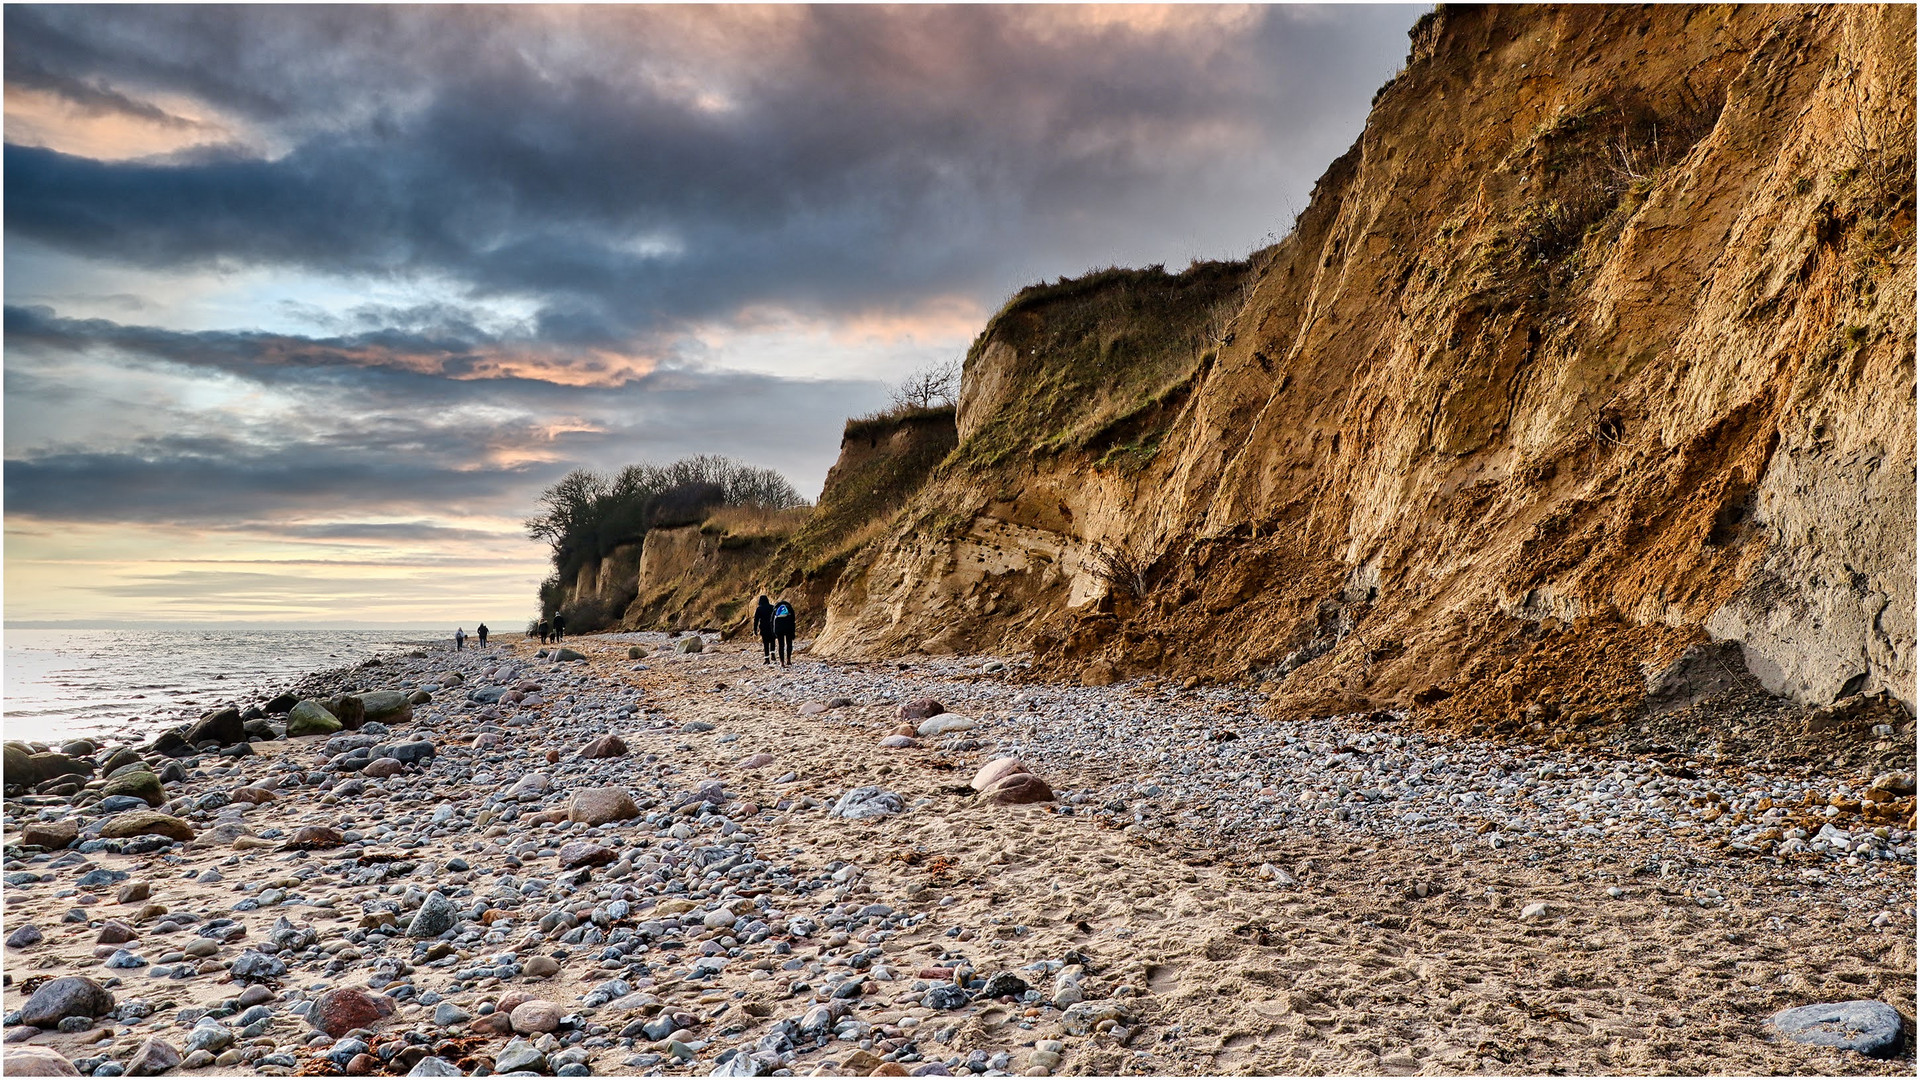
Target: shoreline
{"type": "Point", "coordinates": [1345, 934]}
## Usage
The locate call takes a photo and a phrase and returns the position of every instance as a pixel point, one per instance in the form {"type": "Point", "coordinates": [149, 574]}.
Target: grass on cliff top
{"type": "Point", "coordinates": [887, 421]}
{"type": "Point", "coordinates": [1095, 355]}
{"type": "Point", "coordinates": [744, 526]}
{"type": "Point", "coordinates": [866, 492]}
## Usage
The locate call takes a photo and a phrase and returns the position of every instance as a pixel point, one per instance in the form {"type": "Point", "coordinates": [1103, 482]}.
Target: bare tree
{"type": "Point", "coordinates": [935, 386]}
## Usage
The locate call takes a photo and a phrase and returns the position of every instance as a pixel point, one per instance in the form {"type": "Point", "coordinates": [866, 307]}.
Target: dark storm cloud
{"type": "Point", "coordinates": [635, 169]}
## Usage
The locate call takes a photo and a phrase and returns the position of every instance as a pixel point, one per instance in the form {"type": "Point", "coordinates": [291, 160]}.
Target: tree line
{"type": "Point", "coordinates": [587, 514]}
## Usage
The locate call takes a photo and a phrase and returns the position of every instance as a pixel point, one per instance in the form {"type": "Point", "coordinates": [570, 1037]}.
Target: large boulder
{"type": "Point", "coordinates": [344, 1008]}
{"type": "Point", "coordinates": [37, 1061]}
{"type": "Point", "coordinates": [281, 704]}
{"type": "Point", "coordinates": [1872, 1028]}
{"type": "Point", "coordinates": [390, 707]}
{"type": "Point", "coordinates": [139, 784]}
{"type": "Point", "coordinates": [145, 823]}
{"type": "Point", "coordinates": [75, 995]}
{"type": "Point", "coordinates": [20, 764]}
{"type": "Point", "coordinates": [349, 709]}
{"type": "Point", "coordinates": [311, 718]}
{"type": "Point", "coordinates": [688, 645]}
{"type": "Point", "coordinates": [223, 726]}
{"type": "Point", "coordinates": [52, 835]}
{"type": "Point", "coordinates": [172, 744]}
{"type": "Point", "coordinates": [598, 806]}
{"type": "Point", "coordinates": [46, 766]}
{"type": "Point", "coordinates": [996, 770]}
{"type": "Point", "coordinates": [1020, 787]}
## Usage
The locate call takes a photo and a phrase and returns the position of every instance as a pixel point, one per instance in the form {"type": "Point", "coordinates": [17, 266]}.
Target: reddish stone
{"type": "Point", "coordinates": [340, 1010]}
{"type": "Point", "coordinates": [605, 746]}
{"type": "Point", "coordinates": [114, 932]}
{"type": "Point", "coordinates": [921, 709]}
{"type": "Point", "coordinates": [494, 1023]}
{"type": "Point", "coordinates": [1019, 788]}
{"type": "Point", "coordinates": [995, 771]}
{"type": "Point", "coordinates": [581, 853]}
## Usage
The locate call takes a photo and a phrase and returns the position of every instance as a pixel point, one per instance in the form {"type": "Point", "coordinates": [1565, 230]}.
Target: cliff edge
{"type": "Point", "coordinates": [1596, 348]}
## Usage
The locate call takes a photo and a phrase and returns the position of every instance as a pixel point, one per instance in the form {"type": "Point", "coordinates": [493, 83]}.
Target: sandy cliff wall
{"type": "Point", "coordinates": [1597, 344]}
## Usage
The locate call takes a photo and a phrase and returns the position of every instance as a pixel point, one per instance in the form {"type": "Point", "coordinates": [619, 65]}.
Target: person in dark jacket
{"type": "Point", "coordinates": [559, 627]}
{"type": "Point", "coordinates": [481, 633]}
{"type": "Point", "coordinates": [763, 625]}
{"type": "Point", "coordinates": [783, 619]}
{"type": "Point", "coordinates": [546, 631]}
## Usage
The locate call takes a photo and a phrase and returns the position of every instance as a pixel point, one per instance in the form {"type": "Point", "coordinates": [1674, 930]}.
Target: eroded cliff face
{"type": "Point", "coordinates": [1598, 344]}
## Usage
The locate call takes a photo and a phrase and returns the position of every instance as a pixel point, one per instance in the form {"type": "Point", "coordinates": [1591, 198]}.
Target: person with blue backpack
{"type": "Point", "coordinates": [783, 631]}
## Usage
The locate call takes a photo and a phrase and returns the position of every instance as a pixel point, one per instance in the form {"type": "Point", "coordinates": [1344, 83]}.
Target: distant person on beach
{"type": "Point", "coordinates": [783, 631]}
{"type": "Point", "coordinates": [559, 627]}
{"type": "Point", "coordinates": [459, 639]}
{"type": "Point", "coordinates": [763, 625]}
{"type": "Point", "coordinates": [546, 631]}
{"type": "Point", "coordinates": [481, 633]}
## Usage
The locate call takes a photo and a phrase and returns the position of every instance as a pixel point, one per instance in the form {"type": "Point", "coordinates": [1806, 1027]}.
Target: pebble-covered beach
{"type": "Point", "coordinates": [630, 858]}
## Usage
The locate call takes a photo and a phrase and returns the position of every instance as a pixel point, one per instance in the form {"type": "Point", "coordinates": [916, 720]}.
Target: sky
{"type": "Point", "coordinates": [306, 306]}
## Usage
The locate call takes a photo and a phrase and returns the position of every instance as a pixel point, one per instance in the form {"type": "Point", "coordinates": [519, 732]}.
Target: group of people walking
{"type": "Point", "coordinates": [773, 621]}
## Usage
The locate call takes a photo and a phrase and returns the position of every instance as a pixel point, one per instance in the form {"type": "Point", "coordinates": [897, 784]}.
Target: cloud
{"type": "Point", "coordinates": [638, 169]}
{"type": "Point", "coordinates": [373, 276]}
{"type": "Point", "coordinates": [383, 422]}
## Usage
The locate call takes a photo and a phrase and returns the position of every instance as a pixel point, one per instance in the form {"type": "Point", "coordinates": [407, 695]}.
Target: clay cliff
{"type": "Point", "coordinates": [1596, 346]}
{"type": "Point", "coordinates": [1582, 389]}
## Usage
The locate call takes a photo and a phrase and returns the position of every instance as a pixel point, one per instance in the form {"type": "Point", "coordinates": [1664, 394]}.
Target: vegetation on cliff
{"type": "Point", "coordinates": [587, 516]}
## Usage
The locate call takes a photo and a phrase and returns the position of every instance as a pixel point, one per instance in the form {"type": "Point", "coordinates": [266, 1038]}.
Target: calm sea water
{"type": "Point", "coordinates": [71, 683]}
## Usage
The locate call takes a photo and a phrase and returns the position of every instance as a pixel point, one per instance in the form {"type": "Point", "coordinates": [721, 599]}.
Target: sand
{"type": "Point", "coordinates": [1370, 954]}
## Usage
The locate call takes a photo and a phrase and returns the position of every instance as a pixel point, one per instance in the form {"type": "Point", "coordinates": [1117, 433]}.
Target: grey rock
{"type": "Point", "coordinates": [74, 995]}
{"type": "Point", "coordinates": [868, 802]}
{"type": "Point", "coordinates": [435, 1066]}
{"type": "Point", "coordinates": [436, 916]}
{"type": "Point", "coordinates": [945, 996]}
{"type": "Point", "coordinates": [1871, 1027]}
{"type": "Point", "coordinates": [517, 1055]}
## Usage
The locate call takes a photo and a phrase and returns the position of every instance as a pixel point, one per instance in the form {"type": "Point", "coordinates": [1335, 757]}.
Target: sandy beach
{"type": "Point", "coordinates": [1208, 891]}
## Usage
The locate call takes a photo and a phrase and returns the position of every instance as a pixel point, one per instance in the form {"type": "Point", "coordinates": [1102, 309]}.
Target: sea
{"type": "Point", "coordinates": [67, 684]}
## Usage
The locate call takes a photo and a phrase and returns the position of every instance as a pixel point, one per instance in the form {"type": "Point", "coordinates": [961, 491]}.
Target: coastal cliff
{"type": "Point", "coordinates": [1595, 348]}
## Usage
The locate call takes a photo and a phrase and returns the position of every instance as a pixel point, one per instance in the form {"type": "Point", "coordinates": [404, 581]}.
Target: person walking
{"type": "Point", "coordinates": [481, 633]}
{"type": "Point", "coordinates": [783, 631]}
{"type": "Point", "coordinates": [559, 626]}
{"type": "Point", "coordinates": [546, 631]}
{"type": "Point", "coordinates": [763, 625]}
{"type": "Point", "coordinates": [459, 638]}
